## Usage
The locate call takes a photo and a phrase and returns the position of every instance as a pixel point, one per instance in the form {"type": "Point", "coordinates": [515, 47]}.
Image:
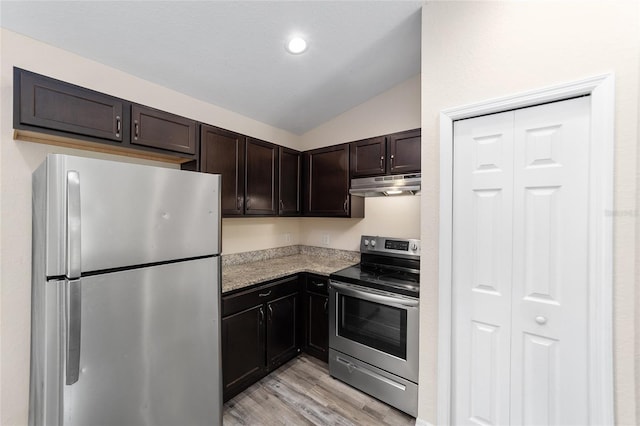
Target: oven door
{"type": "Point", "coordinates": [376, 327]}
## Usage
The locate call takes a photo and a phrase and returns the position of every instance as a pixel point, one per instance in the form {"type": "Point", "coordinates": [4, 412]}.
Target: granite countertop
{"type": "Point", "coordinates": [236, 276]}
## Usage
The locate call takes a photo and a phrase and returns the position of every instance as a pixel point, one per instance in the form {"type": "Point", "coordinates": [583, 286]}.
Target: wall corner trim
{"type": "Point", "coordinates": [421, 422]}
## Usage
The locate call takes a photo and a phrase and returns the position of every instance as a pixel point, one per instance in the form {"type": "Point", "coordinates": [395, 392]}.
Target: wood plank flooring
{"type": "Point", "coordinates": [302, 393]}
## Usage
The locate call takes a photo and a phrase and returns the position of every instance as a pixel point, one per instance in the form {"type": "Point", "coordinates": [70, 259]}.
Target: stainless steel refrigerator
{"type": "Point", "coordinates": [125, 295]}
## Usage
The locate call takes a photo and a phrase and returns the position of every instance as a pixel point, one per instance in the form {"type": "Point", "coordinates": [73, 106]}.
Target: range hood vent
{"type": "Point", "coordinates": [381, 186]}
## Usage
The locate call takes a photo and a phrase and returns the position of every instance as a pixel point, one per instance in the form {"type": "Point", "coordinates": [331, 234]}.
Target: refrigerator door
{"type": "Point", "coordinates": [149, 347]}
{"type": "Point", "coordinates": [129, 214]}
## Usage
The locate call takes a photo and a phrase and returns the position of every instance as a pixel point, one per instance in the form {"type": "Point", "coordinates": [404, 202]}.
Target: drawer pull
{"type": "Point", "coordinates": [352, 367]}
{"type": "Point", "coordinates": [318, 284]}
{"type": "Point", "coordinates": [265, 294]}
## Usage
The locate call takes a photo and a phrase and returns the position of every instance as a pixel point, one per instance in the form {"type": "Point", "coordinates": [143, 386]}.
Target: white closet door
{"type": "Point", "coordinates": [520, 290]}
{"type": "Point", "coordinates": [549, 376]}
{"type": "Point", "coordinates": [482, 215]}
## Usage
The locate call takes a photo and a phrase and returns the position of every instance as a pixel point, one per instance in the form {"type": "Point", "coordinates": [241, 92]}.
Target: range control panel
{"type": "Point", "coordinates": [389, 246]}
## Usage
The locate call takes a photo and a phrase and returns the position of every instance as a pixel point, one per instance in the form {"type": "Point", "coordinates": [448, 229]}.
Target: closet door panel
{"type": "Point", "coordinates": [549, 382]}
{"type": "Point", "coordinates": [482, 206]}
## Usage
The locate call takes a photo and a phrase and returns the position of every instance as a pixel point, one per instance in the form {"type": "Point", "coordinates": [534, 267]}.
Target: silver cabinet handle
{"type": "Point", "coordinates": [73, 302]}
{"type": "Point", "coordinates": [391, 161]}
{"type": "Point", "coordinates": [265, 294]}
{"type": "Point", "coordinates": [541, 320]}
{"type": "Point", "coordinates": [239, 203]}
{"type": "Point", "coordinates": [261, 315]}
{"type": "Point", "coordinates": [345, 206]}
{"type": "Point", "coordinates": [318, 283]}
{"type": "Point", "coordinates": [136, 129]}
{"type": "Point", "coordinates": [281, 205]}
{"type": "Point", "coordinates": [73, 252]}
{"type": "Point", "coordinates": [270, 312]}
{"type": "Point", "coordinates": [382, 163]}
{"type": "Point", "coordinates": [118, 126]}
{"type": "Point", "coordinates": [326, 303]}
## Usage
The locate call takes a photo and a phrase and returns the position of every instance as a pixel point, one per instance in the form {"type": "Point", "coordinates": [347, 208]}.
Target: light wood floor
{"type": "Point", "coordinates": [302, 393]}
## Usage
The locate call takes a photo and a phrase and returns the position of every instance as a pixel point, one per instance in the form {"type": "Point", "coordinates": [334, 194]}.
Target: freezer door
{"type": "Point", "coordinates": [149, 348]}
{"type": "Point", "coordinates": [129, 214]}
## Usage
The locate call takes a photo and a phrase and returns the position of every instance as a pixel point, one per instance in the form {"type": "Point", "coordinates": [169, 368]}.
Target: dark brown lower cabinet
{"type": "Point", "coordinates": [261, 330]}
{"type": "Point", "coordinates": [243, 348]}
{"type": "Point", "coordinates": [282, 330]}
{"type": "Point", "coordinates": [316, 317]}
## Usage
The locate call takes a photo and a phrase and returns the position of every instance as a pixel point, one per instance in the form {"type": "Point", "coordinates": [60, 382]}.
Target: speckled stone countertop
{"type": "Point", "coordinates": [240, 270]}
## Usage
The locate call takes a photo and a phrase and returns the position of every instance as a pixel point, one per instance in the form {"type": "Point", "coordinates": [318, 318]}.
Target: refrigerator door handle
{"type": "Point", "coordinates": [73, 225]}
{"type": "Point", "coordinates": [73, 323]}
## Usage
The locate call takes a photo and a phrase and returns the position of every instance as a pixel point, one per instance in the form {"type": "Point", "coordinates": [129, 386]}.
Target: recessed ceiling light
{"type": "Point", "coordinates": [296, 45]}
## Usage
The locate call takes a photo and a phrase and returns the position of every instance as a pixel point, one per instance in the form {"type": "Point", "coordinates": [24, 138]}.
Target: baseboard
{"type": "Point", "coordinates": [421, 422]}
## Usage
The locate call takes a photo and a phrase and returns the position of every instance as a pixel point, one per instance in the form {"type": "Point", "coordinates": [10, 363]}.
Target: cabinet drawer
{"type": "Point", "coordinates": [258, 295]}
{"type": "Point", "coordinates": [317, 284]}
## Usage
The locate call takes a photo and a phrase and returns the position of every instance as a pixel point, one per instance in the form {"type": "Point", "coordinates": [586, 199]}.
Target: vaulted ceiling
{"type": "Point", "coordinates": [232, 53]}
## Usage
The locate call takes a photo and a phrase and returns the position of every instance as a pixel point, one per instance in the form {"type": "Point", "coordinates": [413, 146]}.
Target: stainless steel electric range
{"type": "Point", "coordinates": [373, 321]}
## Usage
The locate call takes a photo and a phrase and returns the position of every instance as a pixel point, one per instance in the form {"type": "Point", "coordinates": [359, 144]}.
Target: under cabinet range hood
{"type": "Point", "coordinates": [381, 186]}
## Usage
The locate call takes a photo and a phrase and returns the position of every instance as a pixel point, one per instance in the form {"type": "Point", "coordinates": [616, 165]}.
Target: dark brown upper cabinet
{"type": "Point", "coordinates": [222, 152]}
{"type": "Point", "coordinates": [51, 111]}
{"type": "Point", "coordinates": [369, 157]}
{"type": "Point", "coordinates": [55, 105]}
{"type": "Point", "coordinates": [327, 183]}
{"type": "Point", "coordinates": [397, 153]}
{"type": "Point", "coordinates": [159, 129]}
{"type": "Point", "coordinates": [261, 178]}
{"type": "Point", "coordinates": [404, 152]}
{"type": "Point", "coordinates": [289, 182]}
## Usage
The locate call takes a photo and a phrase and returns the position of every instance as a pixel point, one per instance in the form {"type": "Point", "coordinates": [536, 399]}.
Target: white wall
{"type": "Point", "coordinates": [248, 234]}
{"type": "Point", "coordinates": [473, 51]}
{"type": "Point", "coordinates": [394, 110]}
{"type": "Point", "coordinates": [391, 217]}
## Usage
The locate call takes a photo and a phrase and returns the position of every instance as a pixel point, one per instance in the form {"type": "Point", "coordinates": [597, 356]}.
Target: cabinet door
{"type": "Point", "coordinates": [327, 185]}
{"type": "Point", "coordinates": [316, 315]}
{"type": "Point", "coordinates": [159, 129]}
{"type": "Point", "coordinates": [55, 105]}
{"type": "Point", "coordinates": [261, 178]}
{"type": "Point", "coordinates": [289, 182]}
{"type": "Point", "coordinates": [404, 152]}
{"type": "Point", "coordinates": [368, 157]}
{"type": "Point", "coordinates": [282, 330]}
{"type": "Point", "coordinates": [317, 341]}
{"type": "Point", "coordinates": [243, 350]}
{"type": "Point", "coordinates": [222, 152]}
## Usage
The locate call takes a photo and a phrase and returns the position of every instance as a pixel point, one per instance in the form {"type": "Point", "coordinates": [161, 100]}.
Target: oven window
{"type": "Point", "coordinates": [373, 324]}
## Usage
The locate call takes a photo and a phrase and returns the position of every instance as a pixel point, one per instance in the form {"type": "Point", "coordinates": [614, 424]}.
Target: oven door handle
{"type": "Point", "coordinates": [351, 291]}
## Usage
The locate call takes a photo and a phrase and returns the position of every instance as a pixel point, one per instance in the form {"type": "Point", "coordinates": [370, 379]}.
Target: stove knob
{"type": "Point", "coordinates": [366, 242]}
{"type": "Point", "coordinates": [414, 247]}
{"type": "Point", "coordinates": [373, 243]}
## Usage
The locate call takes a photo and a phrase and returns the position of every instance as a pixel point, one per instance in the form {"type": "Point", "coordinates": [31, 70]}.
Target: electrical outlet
{"type": "Point", "coordinates": [287, 237]}
{"type": "Point", "coordinates": [325, 239]}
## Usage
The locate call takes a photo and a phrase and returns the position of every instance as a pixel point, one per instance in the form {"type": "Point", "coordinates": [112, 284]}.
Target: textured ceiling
{"type": "Point", "coordinates": [232, 54]}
